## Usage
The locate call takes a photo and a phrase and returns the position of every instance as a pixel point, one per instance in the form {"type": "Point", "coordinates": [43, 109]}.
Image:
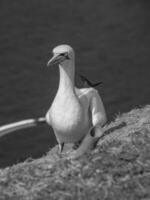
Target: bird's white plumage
{"type": "Point", "coordinates": [74, 111]}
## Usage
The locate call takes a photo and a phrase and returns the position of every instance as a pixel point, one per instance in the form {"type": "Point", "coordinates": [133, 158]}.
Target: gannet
{"type": "Point", "coordinates": [76, 115]}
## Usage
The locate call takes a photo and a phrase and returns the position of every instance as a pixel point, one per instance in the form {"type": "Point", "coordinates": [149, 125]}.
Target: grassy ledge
{"type": "Point", "coordinates": [118, 169]}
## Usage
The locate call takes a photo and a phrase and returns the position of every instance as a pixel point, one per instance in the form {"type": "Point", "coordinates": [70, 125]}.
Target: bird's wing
{"type": "Point", "coordinates": [84, 79]}
{"type": "Point", "coordinates": [96, 84]}
{"type": "Point", "coordinates": [9, 128]}
{"type": "Point", "coordinates": [95, 105]}
{"type": "Point", "coordinates": [98, 117]}
{"type": "Point", "coordinates": [97, 109]}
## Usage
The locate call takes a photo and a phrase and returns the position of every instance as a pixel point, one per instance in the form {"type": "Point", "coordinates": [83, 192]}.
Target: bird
{"type": "Point", "coordinates": [88, 83]}
{"type": "Point", "coordinates": [76, 114]}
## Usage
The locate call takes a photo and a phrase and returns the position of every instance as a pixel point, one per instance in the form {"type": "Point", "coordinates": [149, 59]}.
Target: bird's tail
{"type": "Point", "coordinates": [9, 128]}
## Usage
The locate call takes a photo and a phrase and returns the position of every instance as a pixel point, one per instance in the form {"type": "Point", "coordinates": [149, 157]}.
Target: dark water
{"type": "Point", "coordinates": [112, 44]}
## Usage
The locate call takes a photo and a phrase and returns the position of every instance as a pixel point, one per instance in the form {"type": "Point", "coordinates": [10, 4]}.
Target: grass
{"type": "Point", "coordinates": [118, 169]}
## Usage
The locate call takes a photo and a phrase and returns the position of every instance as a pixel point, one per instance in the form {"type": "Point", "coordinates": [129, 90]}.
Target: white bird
{"type": "Point", "coordinates": [76, 115]}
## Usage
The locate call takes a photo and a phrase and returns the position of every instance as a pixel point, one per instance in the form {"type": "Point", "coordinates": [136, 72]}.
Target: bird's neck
{"type": "Point", "coordinates": [66, 82]}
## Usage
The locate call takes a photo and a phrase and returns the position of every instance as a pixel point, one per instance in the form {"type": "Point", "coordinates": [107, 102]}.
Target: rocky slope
{"type": "Point", "coordinates": [119, 168]}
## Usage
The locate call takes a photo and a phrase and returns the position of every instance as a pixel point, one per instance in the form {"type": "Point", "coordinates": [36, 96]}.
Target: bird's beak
{"type": "Point", "coordinates": [56, 59]}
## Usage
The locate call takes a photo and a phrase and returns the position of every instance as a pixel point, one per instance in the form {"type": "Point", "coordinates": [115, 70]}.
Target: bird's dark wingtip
{"type": "Point", "coordinates": [88, 82]}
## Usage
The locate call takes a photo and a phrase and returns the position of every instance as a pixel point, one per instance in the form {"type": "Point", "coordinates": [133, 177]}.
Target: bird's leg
{"type": "Point", "coordinates": [60, 146]}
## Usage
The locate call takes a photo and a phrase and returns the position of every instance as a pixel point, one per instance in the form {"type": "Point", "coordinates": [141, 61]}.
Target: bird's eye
{"type": "Point", "coordinates": [65, 55]}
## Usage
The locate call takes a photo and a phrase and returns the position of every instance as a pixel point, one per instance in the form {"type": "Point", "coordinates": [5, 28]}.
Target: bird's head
{"type": "Point", "coordinates": [61, 54]}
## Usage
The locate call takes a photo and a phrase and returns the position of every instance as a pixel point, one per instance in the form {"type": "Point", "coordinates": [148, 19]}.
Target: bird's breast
{"type": "Point", "coordinates": [69, 119]}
